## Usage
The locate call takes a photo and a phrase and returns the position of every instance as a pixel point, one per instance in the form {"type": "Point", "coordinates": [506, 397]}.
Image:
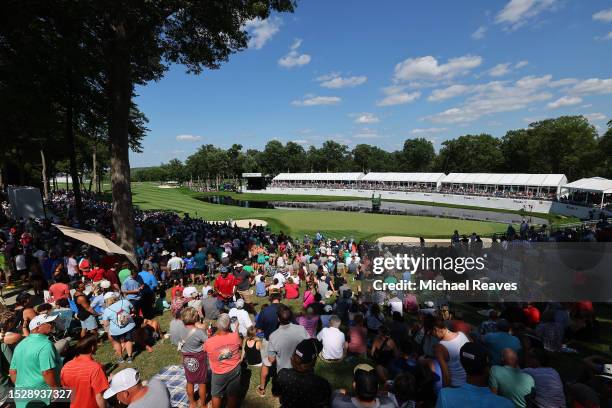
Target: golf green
{"type": "Point", "coordinates": [299, 222]}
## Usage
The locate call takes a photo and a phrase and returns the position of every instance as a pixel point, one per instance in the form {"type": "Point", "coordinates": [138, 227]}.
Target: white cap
{"type": "Point", "coordinates": [239, 265]}
{"type": "Point", "coordinates": [429, 304]}
{"type": "Point", "coordinates": [109, 295]}
{"type": "Point", "coordinates": [607, 372]}
{"type": "Point", "coordinates": [189, 291]}
{"type": "Point", "coordinates": [173, 254]}
{"type": "Point", "coordinates": [164, 253]}
{"type": "Point", "coordinates": [123, 380]}
{"type": "Point", "coordinates": [224, 255]}
{"type": "Point", "coordinates": [105, 284]}
{"type": "Point", "coordinates": [40, 320]}
{"type": "Point", "coordinates": [240, 303]}
{"type": "Point", "coordinates": [188, 253]}
{"type": "Point", "coordinates": [328, 308]}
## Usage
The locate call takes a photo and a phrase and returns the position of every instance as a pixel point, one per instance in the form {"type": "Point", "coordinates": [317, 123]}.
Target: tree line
{"type": "Point", "coordinates": [568, 144]}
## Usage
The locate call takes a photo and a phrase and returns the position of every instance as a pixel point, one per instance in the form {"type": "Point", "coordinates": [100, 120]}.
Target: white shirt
{"type": "Point", "coordinates": [71, 265]}
{"type": "Point", "coordinates": [333, 343]}
{"type": "Point", "coordinates": [175, 263]}
{"type": "Point", "coordinates": [280, 277]}
{"type": "Point", "coordinates": [396, 305]}
{"type": "Point", "coordinates": [20, 262]}
{"type": "Point", "coordinates": [205, 290]}
{"type": "Point", "coordinates": [244, 321]}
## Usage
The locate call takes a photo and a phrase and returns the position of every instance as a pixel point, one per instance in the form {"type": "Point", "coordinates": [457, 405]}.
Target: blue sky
{"type": "Point", "coordinates": [380, 72]}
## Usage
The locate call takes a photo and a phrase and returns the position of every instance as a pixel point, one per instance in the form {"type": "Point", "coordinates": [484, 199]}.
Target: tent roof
{"type": "Point", "coordinates": [413, 177]}
{"type": "Point", "coordinates": [318, 177]}
{"type": "Point", "coordinates": [593, 184]}
{"type": "Point", "coordinates": [516, 179]}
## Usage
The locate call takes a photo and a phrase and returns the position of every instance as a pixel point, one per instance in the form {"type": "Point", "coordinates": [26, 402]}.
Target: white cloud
{"type": "Point", "coordinates": [447, 93]}
{"type": "Point", "coordinates": [428, 68]}
{"type": "Point", "coordinates": [593, 86]}
{"type": "Point", "coordinates": [563, 82]}
{"type": "Point", "coordinates": [317, 100]}
{"type": "Point", "coordinates": [294, 58]}
{"type": "Point", "coordinates": [261, 31]}
{"type": "Point", "coordinates": [521, 64]}
{"type": "Point", "coordinates": [188, 138]}
{"type": "Point", "coordinates": [367, 133]}
{"type": "Point", "coordinates": [603, 15]}
{"type": "Point", "coordinates": [500, 70]}
{"type": "Point", "coordinates": [495, 97]}
{"type": "Point", "coordinates": [300, 141]}
{"type": "Point", "coordinates": [367, 118]}
{"type": "Point", "coordinates": [399, 98]}
{"type": "Point", "coordinates": [605, 37]}
{"type": "Point", "coordinates": [479, 33]}
{"type": "Point", "coordinates": [564, 101]}
{"type": "Point", "coordinates": [427, 131]}
{"type": "Point", "coordinates": [594, 117]}
{"type": "Point", "coordinates": [517, 12]}
{"type": "Point", "coordinates": [336, 81]}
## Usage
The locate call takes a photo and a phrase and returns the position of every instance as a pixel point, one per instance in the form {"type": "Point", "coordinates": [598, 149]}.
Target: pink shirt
{"type": "Point", "coordinates": [358, 339]}
{"type": "Point", "coordinates": [309, 299]}
{"type": "Point", "coordinates": [309, 324]}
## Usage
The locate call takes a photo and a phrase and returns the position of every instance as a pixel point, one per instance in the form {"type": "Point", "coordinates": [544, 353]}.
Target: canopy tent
{"type": "Point", "coordinates": [502, 179]}
{"type": "Point", "coordinates": [318, 177]}
{"type": "Point", "coordinates": [404, 177]}
{"type": "Point", "coordinates": [592, 184]}
{"type": "Point", "coordinates": [97, 240]}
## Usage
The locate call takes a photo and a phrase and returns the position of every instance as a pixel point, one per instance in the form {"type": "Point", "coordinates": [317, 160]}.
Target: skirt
{"type": "Point", "coordinates": [196, 367]}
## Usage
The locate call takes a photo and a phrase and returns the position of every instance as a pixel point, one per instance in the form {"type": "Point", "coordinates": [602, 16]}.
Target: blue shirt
{"type": "Point", "coordinates": [110, 314]}
{"type": "Point", "coordinates": [469, 395]}
{"type": "Point", "coordinates": [267, 321]}
{"type": "Point", "coordinates": [200, 260]}
{"type": "Point", "coordinates": [497, 341]}
{"type": "Point", "coordinates": [131, 284]}
{"type": "Point", "coordinates": [149, 280]}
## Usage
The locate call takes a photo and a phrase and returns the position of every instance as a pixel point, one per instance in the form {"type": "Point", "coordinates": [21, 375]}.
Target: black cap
{"type": "Point", "coordinates": [307, 351]}
{"type": "Point", "coordinates": [366, 385]}
{"type": "Point", "coordinates": [474, 358]}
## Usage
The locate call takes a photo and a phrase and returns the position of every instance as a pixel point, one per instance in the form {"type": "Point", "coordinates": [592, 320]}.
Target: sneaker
{"type": "Point", "coordinates": [120, 360]}
{"type": "Point", "coordinates": [128, 360]}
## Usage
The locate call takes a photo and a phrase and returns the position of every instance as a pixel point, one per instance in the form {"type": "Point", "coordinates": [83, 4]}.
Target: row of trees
{"type": "Point", "coordinates": [568, 145]}
{"type": "Point", "coordinates": [67, 76]}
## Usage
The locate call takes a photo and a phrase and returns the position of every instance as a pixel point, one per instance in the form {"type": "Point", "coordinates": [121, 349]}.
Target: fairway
{"type": "Point", "coordinates": [299, 222]}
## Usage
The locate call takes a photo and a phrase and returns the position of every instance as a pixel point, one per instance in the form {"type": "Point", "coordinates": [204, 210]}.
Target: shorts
{"type": "Point", "coordinates": [196, 367]}
{"type": "Point", "coordinates": [226, 384]}
{"type": "Point", "coordinates": [264, 353]}
{"type": "Point", "coordinates": [245, 294]}
{"type": "Point", "coordinates": [90, 323]}
{"type": "Point", "coordinates": [127, 336]}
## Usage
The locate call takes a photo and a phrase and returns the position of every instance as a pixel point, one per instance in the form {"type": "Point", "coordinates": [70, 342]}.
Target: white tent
{"type": "Point", "coordinates": [318, 177]}
{"type": "Point", "coordinates": [404, 177]}
{"type": "Point", "coordinates": [503, 179]}
{"type": "Point", "coordinates": [593, 185]}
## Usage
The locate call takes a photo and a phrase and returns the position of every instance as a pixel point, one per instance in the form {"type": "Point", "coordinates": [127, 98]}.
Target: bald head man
{"type": "Point", "coordinates": [510, 358]}
{"type": "Point", "coordinates": [509, 381]}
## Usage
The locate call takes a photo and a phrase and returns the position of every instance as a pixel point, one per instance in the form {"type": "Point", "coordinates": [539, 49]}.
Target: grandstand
{"type": "Point", "coordinates": [543, 193]}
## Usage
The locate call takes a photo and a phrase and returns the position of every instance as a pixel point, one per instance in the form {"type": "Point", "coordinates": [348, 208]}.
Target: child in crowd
{"type": "Point", "coordinates": [195, 359]}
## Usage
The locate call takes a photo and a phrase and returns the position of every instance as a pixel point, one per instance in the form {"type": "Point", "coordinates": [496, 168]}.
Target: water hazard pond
{"type": "Point", "coordinates": [386, 207]}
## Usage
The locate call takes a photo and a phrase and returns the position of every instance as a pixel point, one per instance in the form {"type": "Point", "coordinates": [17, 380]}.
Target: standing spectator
{"type": "Point", "coordinates": [120, 326]}
{"type": "Point", "coordinates": [209, 305]}
{"type": "Point", "coordinates": [267, 323]}
{"type": "Point", "coordinates": [85, 313]}
{"type": "Point", "coordinates": [475, 391]}
{"type": "Point", "coordinates": [243, 285]}
{"type": "Point", "coordinates": [60, 289]}
{"type": "Point", "coordinates": [509, 381]}
{"type": "Point", "coordinates": [148, 294]}
{"type": "Point", "coordinates": [242, 317]}
{"type": "Point", "coordinates": [299, 386]}
{"type": "Point", "coordinates": [132, 289]}
{"type": "Point", "coordinates": [283, 340]}
{"type": "Point", "coordinates": [36, 363]}
{"type": "Point", "coordinates": [195, 360]}
{"type": "Point", "coordinates": [224, 355]}
{"type": "Point", "coordinates": [125, 272]}
{"type": "Point", "coordinates": [176, 266]}
{"type": "Point", "coordinates": [334, 342]}
{"type": "Point", "coordinates": [128, 388]}
{"type": "Point", "coordinates": [85, 376]}
{"type": "Point", "coordinates": [447, 353]}
{"type": "Point", "coordinates": [225, 285]}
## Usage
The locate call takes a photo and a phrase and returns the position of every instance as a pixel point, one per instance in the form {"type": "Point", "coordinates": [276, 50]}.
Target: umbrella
{"type": "Point", "coordinates": [97, 240]}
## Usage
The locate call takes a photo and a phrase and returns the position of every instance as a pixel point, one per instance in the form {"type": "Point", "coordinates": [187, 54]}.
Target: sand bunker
{"type": "Point", "coordinates": [245, 223]}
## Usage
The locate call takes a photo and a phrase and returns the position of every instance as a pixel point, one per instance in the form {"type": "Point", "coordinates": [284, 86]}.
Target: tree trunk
{"type": "Point", "coordinates": [94, 170]}
{"type": "Point", "coordinates": [69, 134]}
{"type": "Point", "coordinates": [67, 185]}
{"type": "Point", "coordinates": [44, 175]}
{"type": "Point", "coordinates": [120, 93]}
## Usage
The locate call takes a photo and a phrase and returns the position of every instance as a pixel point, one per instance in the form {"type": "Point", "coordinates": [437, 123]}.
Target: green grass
{"type": "Point", "coordinates": [300, 222]}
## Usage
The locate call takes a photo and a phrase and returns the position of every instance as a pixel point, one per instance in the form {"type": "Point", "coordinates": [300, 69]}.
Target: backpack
{"type": "Point", "coordinates": [123, 317]}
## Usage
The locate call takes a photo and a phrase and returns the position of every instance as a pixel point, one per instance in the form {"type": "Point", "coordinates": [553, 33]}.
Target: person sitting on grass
{"type": "Point", "coordinates": [310, 322]}
{"type": "Point", "coordinates": [195, 359]}
{"type": "Point", "coordinates": [365, 391]}
{"type": "Point", "coordinates": [251, 348]}
{"type": "Point", "coordinates": [260, 286]}
{"type": "Point", "coordinates": [292, 290]}
{"type": "Point", "coordinates": [127, 386]}
{"type": "Point", "coordinates": [333, 340]}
